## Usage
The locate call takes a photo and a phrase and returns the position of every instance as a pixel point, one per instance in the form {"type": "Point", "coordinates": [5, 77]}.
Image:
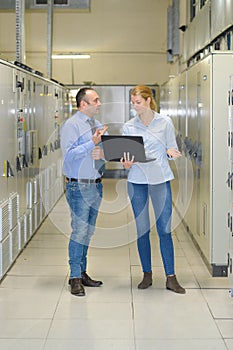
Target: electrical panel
{"type": "Point", "coordinates": [196, 102]}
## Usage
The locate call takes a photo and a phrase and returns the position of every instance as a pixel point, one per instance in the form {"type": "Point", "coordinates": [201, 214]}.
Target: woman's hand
{"type": "Point", "coordinates": [173, 153]}
{"type": "Point", "coordinates": [126, 161]}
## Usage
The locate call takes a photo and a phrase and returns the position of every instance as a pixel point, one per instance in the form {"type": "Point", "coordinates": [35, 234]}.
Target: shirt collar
{"type": "Point", "coordinates": [83, 116]}
{"type": "Point", "coordinates": [139, 120]}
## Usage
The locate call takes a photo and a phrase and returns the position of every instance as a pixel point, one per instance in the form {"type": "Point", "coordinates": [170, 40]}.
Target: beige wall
{"type": "Point", "coordinates": [126, 39]}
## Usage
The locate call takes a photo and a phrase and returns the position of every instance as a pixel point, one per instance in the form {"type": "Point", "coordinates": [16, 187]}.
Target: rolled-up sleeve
{"type": "Point", "coordinates": [170, 135]}
{"type": "Point", "coordinates": [71, 148]}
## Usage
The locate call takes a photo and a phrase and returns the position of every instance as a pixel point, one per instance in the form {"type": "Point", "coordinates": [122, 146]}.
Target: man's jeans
{"type": "Point", "coordinates": [161, 199]}
{"type": "Point", "coordinates": [84, 201]}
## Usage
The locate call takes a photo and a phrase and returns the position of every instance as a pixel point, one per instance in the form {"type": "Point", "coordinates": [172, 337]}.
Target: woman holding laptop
{"type": "Point", "coordinates": [152, 180]}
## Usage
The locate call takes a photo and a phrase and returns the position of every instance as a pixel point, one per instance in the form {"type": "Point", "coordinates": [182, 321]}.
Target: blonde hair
{"type": "Point", "coordinates": [145, 92]}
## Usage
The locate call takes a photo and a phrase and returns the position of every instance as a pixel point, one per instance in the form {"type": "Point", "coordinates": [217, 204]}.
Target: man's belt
{"type": "Point", "coordinates": [84, 181]}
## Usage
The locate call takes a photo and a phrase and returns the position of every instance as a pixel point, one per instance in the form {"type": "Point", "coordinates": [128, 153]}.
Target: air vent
{"type": "Point", "coordinates": [41, 2]}
{"type": "Point", "coordinates": [62, 4]}
{"type": "Point", "coordinates": [13, 210]}
{"type": "Point", "coordinates": [4, 219]}
{"type": "Point", "coordinates": [55, 2]}
{"type": "Point", "coordinates": [81, 5]}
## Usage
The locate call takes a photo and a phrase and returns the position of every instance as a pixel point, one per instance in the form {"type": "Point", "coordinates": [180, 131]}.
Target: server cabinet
{"type": "Point", "coordinates": [205, 148]}
{"type": "Point", "coordinates": [7, 133]}
{"type": "Point", "coordinates": [230, 175]}
{"type": "Point", "coordinates": [221, 67]}
{"type": "Point", "coordinates": [174, 104]}
{"type": "Point", "coordinates": [32, 109]}
{"type": "Point", "coordinates": [198, 145]}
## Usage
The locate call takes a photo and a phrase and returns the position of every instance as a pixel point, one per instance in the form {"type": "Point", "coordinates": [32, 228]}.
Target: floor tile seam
{"type": "Point", "coordinates": [211, 314]}
{"type": "Point", "coordinates": [92, 340]}
{"type": "Point", "coordinates": [47, 248]}
{"type": "Point", "coordinates": [219, 330]}
{"type": "Point", "coordinates": [47, 236]}
{"type": "Point", "coordinates": [194, 275]}
{"type": "Point", "coordinates": [132, 300]}
{"type": "Point", "coordinates": [33, 275]}
{"type": "Point", "coordinates": [25, 319]}
{"type": "Point", "coordinates": [167, 338]}
{"type": "Point", "coordinates": [47, 233]}
{"type": "Point", "coordinates": [56, 307]}
{"type": "Point", "coordinates": [22, 338]}
{"type": "Point", "coordinates": [216, 288]}
{"type": "Point", "coordinates": [38, 265]}
{"type": "Point", "coordinates": [117, 338]}
{"type": "Point", "coordinates": [224, 319]}
{"type": "Point", "coordinates": [192, 242]}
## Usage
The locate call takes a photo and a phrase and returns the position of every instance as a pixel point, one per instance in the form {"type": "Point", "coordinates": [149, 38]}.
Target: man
{"type": "Point", "coordinates": [80, 136]}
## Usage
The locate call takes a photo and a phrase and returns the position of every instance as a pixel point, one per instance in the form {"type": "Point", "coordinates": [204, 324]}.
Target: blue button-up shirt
{"type": "Point", "coordinates": [158, 136]}
{"type": "Point", "coordinates": [76, 144]}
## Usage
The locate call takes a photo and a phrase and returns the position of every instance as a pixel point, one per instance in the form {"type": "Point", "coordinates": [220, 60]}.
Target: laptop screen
{"type": "Point", "coordinates": [114, 147]}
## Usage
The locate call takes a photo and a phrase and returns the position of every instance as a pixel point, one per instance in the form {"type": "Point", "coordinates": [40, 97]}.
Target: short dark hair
{"type": "Point", "coordinates": [81, 94]}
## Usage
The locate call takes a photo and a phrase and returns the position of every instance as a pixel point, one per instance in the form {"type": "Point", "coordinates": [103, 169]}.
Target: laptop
{"type": "Point", "coordinates": [114, 147]}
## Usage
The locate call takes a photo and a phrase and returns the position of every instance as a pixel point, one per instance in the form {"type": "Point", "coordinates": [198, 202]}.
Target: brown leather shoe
{"type": "Point", "coordinates": [146, 282]}
{"type": "Point", "coordinates": [89, 282]}
{"type": "Point", "coordinates": [76, 287]}
{"type": "Point", "coordinates": [172, 284]}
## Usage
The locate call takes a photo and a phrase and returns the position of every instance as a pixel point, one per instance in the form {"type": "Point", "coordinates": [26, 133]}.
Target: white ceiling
{"type": "Point", "coordinates": [112, 25]}
{"type": "Point", "coordinates": [116, 28]}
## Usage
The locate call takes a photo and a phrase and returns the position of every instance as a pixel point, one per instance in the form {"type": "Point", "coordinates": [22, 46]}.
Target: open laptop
{"type": "Point", "coordinates": [114, 147]}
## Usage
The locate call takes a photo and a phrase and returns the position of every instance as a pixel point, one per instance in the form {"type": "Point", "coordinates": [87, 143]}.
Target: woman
{"type": "Point", "coordinates": [152, 180]}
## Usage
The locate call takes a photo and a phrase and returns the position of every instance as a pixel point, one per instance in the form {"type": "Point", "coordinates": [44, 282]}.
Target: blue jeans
{"type": "Point", "coordinates": [84, 202]}
{"type": "Point", "coordinates": [161, 199]}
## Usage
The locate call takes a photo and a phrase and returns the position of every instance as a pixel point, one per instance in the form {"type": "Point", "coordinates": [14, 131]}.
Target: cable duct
{"type": "Point", "coordinates": [169, 34]}
{"type": "Point", "coordinates": [176, 24]}
{"type": "Point", "coordinates": [50, 38]}
{"type": "Point", "coordinates": [173, 35]}
{"type": "Point", "coordinates": [20, 30]}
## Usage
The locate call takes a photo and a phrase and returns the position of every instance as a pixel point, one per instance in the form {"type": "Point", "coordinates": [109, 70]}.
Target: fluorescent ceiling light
{"type": "Point", "coordinates": [72, 56]}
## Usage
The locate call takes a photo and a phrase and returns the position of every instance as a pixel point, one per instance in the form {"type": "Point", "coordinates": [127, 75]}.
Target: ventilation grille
{"type": "Point", "coordinates": [13, 210]}
{"type": "Point", "coordinates": [4, 219]}
{"type": "Point", "coordinates": [42, 182]}
{"type": "Point", "coordinates": [5, 256]}
{"type": "Point", "coordinates": [53, 173]}
{"type": "Point", "coordinates": [55, 2]}
{"type": "Point", "coordinates": [27, 226]}
{"type": "Point", "coordinates": [48, 181]}
{"type": "Point", "coordinates": [14, 242]}
{"type": "Point", "coordinates": [33, 219]}
{"type": "Point", "coordinates": [59, 167]}
{"type": "Point", "coordinates": [21, 233]}
{"type": "Point", "coordinates": [29, 194]}
{"type": "Point", "coordinates": [36, 185]}
{"type": "Point", "coordinates": [78, 5]}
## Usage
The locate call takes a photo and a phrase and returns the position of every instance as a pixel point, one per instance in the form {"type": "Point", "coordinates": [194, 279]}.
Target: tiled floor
{"type": "Point", "coordinates": [38, 312]}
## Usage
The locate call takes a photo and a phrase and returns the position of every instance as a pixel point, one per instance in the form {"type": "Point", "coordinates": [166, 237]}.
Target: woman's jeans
{"type": "Point", "coordinates": [161, 199]}
{"type": "Point", "coordinates": [84, 202]}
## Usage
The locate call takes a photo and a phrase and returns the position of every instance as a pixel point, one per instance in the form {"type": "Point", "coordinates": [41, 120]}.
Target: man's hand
{"type": "Point", "coordinates": [96, 138]}
{"type": "Point", "coordinates": [97, 153]}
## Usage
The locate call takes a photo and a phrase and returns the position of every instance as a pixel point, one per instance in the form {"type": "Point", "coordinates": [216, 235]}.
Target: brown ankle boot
{"type": "Point", "coordinates": [172, 284]}
{"type": "Point", "coordinates": [147, 281]}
